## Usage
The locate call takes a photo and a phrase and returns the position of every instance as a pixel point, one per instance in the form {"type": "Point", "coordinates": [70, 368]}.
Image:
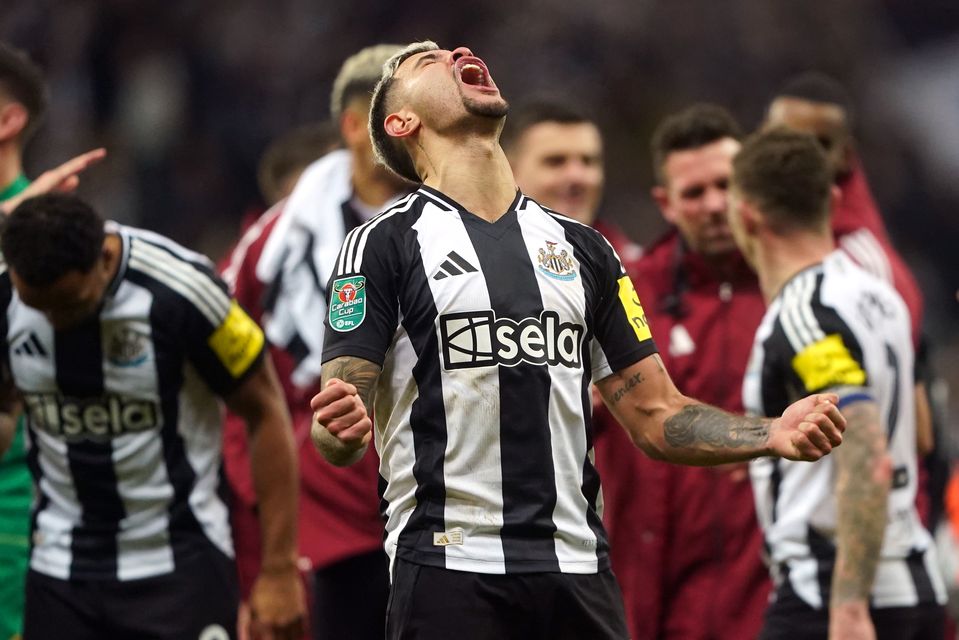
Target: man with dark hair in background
{"type": "Point", "coordinates": [481, 376]}
{"type": "Point", "coordinates": [278, 272]}
{"type": "Point", "coordinates": [849, 554]}
{"type": "Point", "coordinates": [119, 342]}
{"type": "Point", "coordinates": [285, 158]}
{"type": "Point", "coordinates": [23, 105]}
{"type": "Point", "coordinates": [556, 153]}
{"type": "Point", "coordinates": [686, 547]}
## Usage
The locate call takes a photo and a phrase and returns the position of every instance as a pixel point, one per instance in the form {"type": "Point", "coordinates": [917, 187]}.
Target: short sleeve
{"type": "Point", "coordinates": [621, 332]}
{"type": "Point", "coordinates": [225, 343]}
{"type": "Point", "coordinates": [821, 349]}
{"type": "Point", "coordinates": [362, 313]}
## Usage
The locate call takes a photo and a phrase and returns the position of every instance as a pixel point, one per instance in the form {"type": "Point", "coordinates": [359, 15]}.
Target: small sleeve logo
{"type": "Point", "coordinates": [347, 303]}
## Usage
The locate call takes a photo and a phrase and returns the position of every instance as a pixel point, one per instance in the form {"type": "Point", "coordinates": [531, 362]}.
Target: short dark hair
{"type": "Point", "coordinates": [22, 81]}
{"type": "Point", "coordinates": [786, 175]}
{"type": "Point", "coordinates": [692, 128]}
{"type": "Point", "coordinates": [389, 152]}
{"type": "Point", "coordinates": [292, 152]}
{"type": "Point", "coordinates": [816, 86]}
{"type": "Point", "coordinates": [51, 235]}
{"type": "Point", "coordinates": [537, 111]}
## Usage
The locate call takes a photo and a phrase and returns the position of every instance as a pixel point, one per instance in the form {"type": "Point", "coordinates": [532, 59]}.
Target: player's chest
{"type": "Point", "coordinates": [114, 353]}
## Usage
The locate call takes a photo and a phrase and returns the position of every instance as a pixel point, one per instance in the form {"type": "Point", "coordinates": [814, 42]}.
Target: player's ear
{"type": "Point", "coordinates": [401, 124]}
{"type": "Point", "coordinates": [13, 120]}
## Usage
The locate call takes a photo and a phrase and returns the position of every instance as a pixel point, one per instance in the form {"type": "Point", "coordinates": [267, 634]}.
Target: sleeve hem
{"type": "Point", "coordinates": [621, 361]}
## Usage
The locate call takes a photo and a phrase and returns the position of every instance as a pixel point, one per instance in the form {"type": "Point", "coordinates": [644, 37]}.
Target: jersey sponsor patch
{"type": "Point", "coordinates": [348, 303]}
{"type": "Point", "coordinates": [237, 341]}
{"type": "Point", "coordinates": [633, 308]}
{"type": "Point", "coordinates": [828, 363]}
{"type": "Point", "coordinates": [479, 339]}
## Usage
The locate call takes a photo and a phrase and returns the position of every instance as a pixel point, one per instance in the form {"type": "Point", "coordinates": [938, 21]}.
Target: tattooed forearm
{"type": "Point", "coordinates": [620, 392]}
{"type": "Point", "coordinates": [699, 426]}
{"type": "Point", "coordinates": [862, 491]}
{"type": "Point", "coordinates": [359, 372]}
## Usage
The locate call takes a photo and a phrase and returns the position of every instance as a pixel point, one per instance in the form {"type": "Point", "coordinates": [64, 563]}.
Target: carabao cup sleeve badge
{"type": "Point", "coordinates": [348, 303]}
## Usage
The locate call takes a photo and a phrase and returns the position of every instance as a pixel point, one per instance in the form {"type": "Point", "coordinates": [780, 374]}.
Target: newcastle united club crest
{"type": "Point", "coordinates": [556, 265]}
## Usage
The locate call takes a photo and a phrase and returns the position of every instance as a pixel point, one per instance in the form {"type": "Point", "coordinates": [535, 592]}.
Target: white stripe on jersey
{"type": "Point", "coordinates": [798, 321]}
{"type": "Point", "coordinates": [52, 551]}
{"type": "Point", "coordinates": [185, 281]}
{"type": "Point", "coordinates": [574, 541]}
{"type": "Point", "coordinates": [143, 542]}
{"type": "Point", "coordinates": [351, 255]}
{"type": "Point", "coordinates": [219, 301]}
{"type": "Point", "coordinates": [400, 494]}
{"type": "Point", "coordinates": [866, 250]}
{"type": "Point", "coordinates": [472, 468]}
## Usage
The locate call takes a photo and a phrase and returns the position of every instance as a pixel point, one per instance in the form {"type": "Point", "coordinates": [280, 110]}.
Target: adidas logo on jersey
{"type": "Point", "coordinates": [454, 265]}
{"type": "Point", "coordinates": [91, 418]}
{"type": "Point", "coordinates": [479, 339]}
{"type": "Point", "coordinates": [31, 346]}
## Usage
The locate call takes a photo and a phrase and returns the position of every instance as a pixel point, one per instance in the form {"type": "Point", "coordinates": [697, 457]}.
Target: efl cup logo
{"type": "Point", "coordinates": [348, 303]}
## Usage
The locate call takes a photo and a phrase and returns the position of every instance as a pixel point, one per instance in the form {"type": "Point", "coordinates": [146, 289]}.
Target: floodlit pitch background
{"type": "Point", "coordinates": [187, 94]}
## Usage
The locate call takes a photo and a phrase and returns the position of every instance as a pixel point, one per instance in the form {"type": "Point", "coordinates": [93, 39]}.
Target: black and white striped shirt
{"type": "Point", "coordinates": [123, 417]}
{"type": "Point", "coordinates": [836, 327]}
{"type": "Point", "coordinates": [490, 335]}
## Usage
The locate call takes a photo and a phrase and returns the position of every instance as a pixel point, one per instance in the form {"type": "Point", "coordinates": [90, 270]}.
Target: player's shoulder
{"type": "Point", "coordinates": [586, 237]}
{"type": "Point", "coordinates": [176, 275]}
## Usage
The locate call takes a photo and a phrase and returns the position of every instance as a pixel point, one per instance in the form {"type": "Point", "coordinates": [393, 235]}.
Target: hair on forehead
{"type": "Point", "coordinates": [692, 128]}
{"type": "Point", "coordinates": [537, 111]}
{"type": "Point", "coordinates": [816, 86]}
{"type": "Point", "coordinates": [389, 152]}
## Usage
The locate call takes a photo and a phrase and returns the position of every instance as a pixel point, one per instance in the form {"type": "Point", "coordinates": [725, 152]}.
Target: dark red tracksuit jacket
{"type": "Point", "coordinates": [684, 541]}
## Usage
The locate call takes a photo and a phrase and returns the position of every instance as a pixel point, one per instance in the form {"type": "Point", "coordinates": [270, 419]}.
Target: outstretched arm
{"type": "Point", "coordinates": [863, 479]}
{"type": "Point", "coordinates": [64, 179]}
{"type": "Point", "coordinates": [670, 426]}
{"type": "Point", "coordinates": [342, 428]}
{"type": "Point", "coordinates": [277, 601]}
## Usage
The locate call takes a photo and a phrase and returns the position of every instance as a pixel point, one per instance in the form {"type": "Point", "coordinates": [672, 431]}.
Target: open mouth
{"type": "Point", "coordinates": [473, 72]}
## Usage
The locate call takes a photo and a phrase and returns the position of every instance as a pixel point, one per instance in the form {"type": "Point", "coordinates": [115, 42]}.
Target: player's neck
{"type": "Point", "coordinates": [779, 258]}
{"type": "Point", "coordinates": [11, 165]}
{"type": "Point", "coordinates": [473, 171]}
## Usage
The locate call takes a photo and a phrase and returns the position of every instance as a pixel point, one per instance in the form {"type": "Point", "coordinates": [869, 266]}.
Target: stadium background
{"type": "Point", "coordinates": [185, 95]}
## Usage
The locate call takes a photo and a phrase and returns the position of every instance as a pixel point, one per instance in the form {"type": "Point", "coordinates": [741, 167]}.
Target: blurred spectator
{"type": "Point", "coordinates": [556, 154]}
{"type": "Point", "coordinates": [287, 156]}
{"type": "Point", "coordinates": [684, 540]}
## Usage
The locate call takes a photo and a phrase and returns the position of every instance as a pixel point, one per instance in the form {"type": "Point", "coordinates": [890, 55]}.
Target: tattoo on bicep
{"type": "Point", "coordinates": [359, 372]}
{"type": "Point", "coordinates": [627, 385]}
{"type": "Point", "coordinates": [700, 424]}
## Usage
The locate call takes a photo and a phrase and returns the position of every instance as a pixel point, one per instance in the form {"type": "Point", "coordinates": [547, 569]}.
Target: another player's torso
{"type": "Point", "coordinates": [795, 501]}
{"type": "Point", "coordinates": [492, 472]}
{"type": "Point", "coordinates": [104, 401]}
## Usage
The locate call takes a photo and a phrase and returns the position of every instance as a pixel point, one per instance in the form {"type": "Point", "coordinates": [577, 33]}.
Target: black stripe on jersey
{"type": "Point", "coordinates": [79, 371]}
{"type": "Point", "coordinates": [893, 418]}
{"type": "Point", "coordinates": [779, 383]}
{"type": "Point", "coordinates": [427, 414]}
{"type": "Point", "coordinates": [461, 261]}
{"type": "Point", "coordinates": [185, 530]}
{"type": "Point", "coordinates": [529, 486]}
{"type": "Point", "coordinates": [925, 592]}
{"type": "Point", "coordinates": [825, 554]}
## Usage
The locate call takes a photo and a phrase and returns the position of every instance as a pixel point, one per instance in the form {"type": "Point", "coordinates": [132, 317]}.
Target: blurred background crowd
{"type": "Point", "coordinates": [186, 96]}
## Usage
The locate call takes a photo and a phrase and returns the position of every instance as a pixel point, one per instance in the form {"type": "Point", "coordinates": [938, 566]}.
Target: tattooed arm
{"type": "Point", "coordinates": [863, 479]}
{"type": "Point", "coordinates": [670, 426]}
{"type": "Point", "coordinates": [342, 428]}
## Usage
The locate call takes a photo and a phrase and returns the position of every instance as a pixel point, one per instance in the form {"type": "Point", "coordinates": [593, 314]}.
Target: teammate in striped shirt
{"type": "Point", "coordinates": [480, 381]}
{"type": "Point", "coordinates": [849, 555]}
{"type": "Point", "coordinates": [118, 342]}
